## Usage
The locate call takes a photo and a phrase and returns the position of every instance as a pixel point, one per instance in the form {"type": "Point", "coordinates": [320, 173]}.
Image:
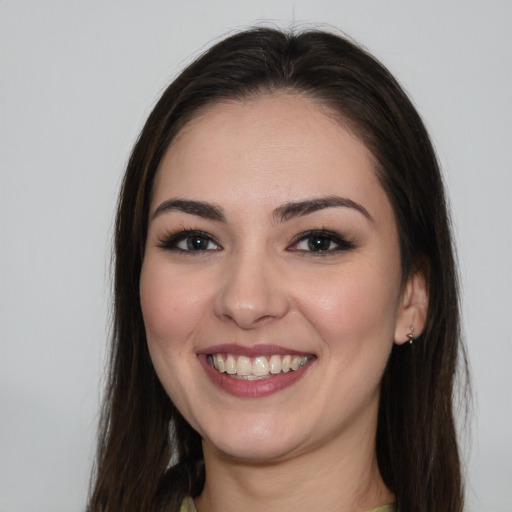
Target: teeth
{"type": "Point", "coordinates": [275, 364]}
{"type": "Point", "coordinates": [219, 363]}
{"type": "Point", "coordinates": [230, 365]}
{"type": "Point", "coordinates": [259, 367]}
{"type": "Point", "coordinates": [295, 364]}
{"type": "Point", "coordinates": [285, 363]}
{"type": "Point", "coordinates": [243, 366]}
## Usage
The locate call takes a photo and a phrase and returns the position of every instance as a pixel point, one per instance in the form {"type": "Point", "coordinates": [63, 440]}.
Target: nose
{"type": "Point", "coordinates": [252, 292]}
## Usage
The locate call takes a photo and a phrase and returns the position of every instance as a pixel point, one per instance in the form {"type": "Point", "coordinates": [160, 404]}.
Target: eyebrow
{"type": "Point", "coordinates": [283, 213]}
{"type": "Point", "coordinates": [300, 208]}
{"type": "Point", "coordinates": [199, 208]}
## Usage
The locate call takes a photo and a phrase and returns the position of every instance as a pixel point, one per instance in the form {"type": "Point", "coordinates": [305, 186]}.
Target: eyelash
{"type": "Point", "coordinates": [171, 242]}
{"type": "Point", "coordinates": [342, 243]}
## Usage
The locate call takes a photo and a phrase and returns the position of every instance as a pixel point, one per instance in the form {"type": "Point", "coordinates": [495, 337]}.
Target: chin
{"type": "Point", "coordinates": [257, 443]}
{"type": "Point", "coordinates": [255, 453]}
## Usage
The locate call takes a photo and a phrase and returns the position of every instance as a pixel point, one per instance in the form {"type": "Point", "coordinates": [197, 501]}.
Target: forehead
{"type": "Point", "coordinates": [276, 147]}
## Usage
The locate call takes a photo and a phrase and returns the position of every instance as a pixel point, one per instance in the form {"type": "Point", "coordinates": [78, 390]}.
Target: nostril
{"type": "Point", "coordinates": [246, 320]}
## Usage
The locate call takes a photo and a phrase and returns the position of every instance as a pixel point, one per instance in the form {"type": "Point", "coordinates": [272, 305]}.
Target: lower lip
{"type": "Point", "coordinates": [253, 388]}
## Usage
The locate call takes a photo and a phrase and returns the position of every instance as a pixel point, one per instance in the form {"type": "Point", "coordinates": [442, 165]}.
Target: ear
{"type": "Point", "coordinates": [412, 313]}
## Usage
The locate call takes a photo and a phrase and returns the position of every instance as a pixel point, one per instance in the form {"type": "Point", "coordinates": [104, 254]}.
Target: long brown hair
{"type": "Point", "coordinates": [149, 458]}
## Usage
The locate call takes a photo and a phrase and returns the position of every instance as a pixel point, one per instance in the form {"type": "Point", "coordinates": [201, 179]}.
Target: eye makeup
{"type": "Point", "coordinates": [315, 242]}
{"type": "Point", "coordinates": [320, 242]}
{"type": "Point", "coordinates": [189, 240]}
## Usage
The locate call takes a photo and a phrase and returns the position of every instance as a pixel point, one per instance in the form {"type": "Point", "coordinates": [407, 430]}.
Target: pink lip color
{"type": "Point", "coordinates": [252, 388]}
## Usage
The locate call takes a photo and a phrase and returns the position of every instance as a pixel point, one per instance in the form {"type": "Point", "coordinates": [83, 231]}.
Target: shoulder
{"type": "Point", "coordinates": [188, 505]}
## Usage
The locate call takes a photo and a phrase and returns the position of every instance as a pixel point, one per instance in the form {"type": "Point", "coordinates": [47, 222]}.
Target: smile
{"type": "Point", "coordinates": [256, 371]}
{"type": "Point", "coordinates": [256, 368]}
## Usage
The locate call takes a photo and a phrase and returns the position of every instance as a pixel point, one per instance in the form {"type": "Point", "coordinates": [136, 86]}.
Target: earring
{"type": "Point", "coordinates": [410, 336]}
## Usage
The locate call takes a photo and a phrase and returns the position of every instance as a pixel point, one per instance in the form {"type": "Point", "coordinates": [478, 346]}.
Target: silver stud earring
{"type": "Point", "coordinates": [410, 336]}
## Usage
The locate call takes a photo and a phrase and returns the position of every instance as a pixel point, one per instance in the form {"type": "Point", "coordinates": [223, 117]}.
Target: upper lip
{"type": "Point", "coordinates": [252, 350]}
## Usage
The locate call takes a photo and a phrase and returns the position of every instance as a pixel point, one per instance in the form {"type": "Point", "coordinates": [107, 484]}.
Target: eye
{"type": "Point", "coordinates": [320, 241]}
{"type": "Point", "coordinates": [189, 241]}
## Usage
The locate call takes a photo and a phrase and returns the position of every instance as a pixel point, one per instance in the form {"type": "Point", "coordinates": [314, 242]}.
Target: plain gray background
{"type": "Point", "coordinates": [77, 80]}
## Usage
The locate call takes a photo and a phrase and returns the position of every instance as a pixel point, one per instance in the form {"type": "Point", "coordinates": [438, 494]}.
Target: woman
{"type": "Point", "coordinates": [286, 308]}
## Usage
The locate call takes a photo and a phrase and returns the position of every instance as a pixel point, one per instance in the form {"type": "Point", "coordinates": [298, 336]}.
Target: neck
{"type": "Point", "coordinates": [312, 481]}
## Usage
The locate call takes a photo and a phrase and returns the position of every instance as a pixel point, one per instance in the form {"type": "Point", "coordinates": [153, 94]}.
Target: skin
{"type": "Point", "coordinates": [309, 446]}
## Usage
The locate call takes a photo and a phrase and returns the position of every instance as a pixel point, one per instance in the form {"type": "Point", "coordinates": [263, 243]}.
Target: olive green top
{"type": "Point", "coordinates": [188, 506]}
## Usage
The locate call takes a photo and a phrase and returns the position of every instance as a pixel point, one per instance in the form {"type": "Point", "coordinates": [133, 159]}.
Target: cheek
{"type": "Point", "coordinates": [172, 305]}
{"type": "Point", "coordinates": [353, 308]}
{"type": "Point", "coordinates": [172, 308]}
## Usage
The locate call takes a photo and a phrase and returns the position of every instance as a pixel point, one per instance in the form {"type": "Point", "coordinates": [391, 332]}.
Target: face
{"type": "Point", "coordinates": [270, 286]}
